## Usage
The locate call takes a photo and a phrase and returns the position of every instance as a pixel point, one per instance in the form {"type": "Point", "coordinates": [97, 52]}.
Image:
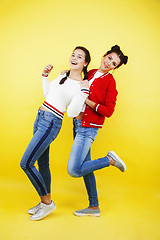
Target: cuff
{"type": "Point", "coordinates": [44, 74]}
{"type": "Point", "coordinates": [85, 90]}
{"type": "Point", "coordinates": [96, 106]}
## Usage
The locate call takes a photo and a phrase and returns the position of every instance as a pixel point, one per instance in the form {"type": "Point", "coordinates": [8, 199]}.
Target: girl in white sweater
{"type": "Point", "coordinates": [66, 93]}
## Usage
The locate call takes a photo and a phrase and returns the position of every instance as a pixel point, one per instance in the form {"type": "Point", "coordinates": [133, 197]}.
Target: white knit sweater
{"type": "Point", "coordinates": [60, 98]}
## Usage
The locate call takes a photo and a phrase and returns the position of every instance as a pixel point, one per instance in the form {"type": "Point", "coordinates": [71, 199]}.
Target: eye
{"type": "Point", "coordinates": [114, 64]}
{"type": "Point", "coordinates": [79, 57]}
{"type": "Point", "coordinates": [109, 57]}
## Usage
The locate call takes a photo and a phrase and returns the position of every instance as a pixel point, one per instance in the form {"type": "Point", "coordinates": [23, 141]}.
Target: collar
{"type": "Point", "coordinates": [94, 71]}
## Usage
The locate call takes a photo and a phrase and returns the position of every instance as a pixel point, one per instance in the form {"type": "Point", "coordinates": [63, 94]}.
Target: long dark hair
{"type": "Point", "coordinates": [117, 50]}
{"type": "Point", "coordinates": [87, 60]}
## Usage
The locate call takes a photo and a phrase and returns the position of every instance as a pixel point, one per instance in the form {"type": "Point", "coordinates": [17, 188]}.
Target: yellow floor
{"type": "Point", "coordinates": [128, 211]}
{"type": "Point", "coordinates": [35, 33]}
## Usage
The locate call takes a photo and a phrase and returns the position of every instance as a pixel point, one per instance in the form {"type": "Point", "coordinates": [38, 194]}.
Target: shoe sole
{"type": "Point", "coordinates": [87, 214]}
{"type": "Point", "coordinates": [39, 218]}
{"type": "Point", "coordinates": [31, 213]}
{"type": "Point", "coordinates": [120, 160]}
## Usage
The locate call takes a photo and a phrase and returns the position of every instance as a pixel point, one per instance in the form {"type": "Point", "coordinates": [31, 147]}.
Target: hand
{"type": "Point", "coordinates": [63, 72]}
{"type": "Point", "coordinates": [84, 84]}
{"type": "Point", "coordinates": [47, 69]}
{"type": "Point", "coordinates": [90, 103]}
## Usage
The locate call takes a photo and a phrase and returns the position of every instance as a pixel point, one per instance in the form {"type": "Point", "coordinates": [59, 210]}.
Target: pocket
{"type": "Point", "coordinates": [44, 122]}
{"type": "Point", "coordinates": [47, 118]}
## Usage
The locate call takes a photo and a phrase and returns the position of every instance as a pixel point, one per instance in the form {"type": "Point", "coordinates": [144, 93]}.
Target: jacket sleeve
{"type": "Point", "coordinates": [110, 101]}
{"type": "Point", "coordinates": [77, 102]}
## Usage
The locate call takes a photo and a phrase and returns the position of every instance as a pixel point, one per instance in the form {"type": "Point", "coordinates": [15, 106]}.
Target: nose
{"type": "Point", "coordinates": [108, 63]}
{"type": "Point", "coordinates": [74, 58]}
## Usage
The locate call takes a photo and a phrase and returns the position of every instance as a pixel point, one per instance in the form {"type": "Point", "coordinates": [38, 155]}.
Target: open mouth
{"type": "Point", "coordinates": [74, 63]}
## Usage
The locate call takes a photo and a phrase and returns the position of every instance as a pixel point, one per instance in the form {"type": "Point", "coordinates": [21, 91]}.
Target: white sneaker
{"type": "Point", "coordinates": [43, 211]}
{"type": "Point", "coordinates": [34, 209]}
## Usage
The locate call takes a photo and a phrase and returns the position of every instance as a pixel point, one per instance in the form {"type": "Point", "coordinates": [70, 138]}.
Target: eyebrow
{"type": "Point", "coordinates": [80, 55]}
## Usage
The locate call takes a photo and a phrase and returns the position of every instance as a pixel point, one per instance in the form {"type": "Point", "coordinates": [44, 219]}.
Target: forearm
{"type": "Point", "coordinates": [76, 105]}
{"type": "Point", "coordinates": [105, 110]}
{"type": "Point", "coordinates": [77, 102]}
{"type": "Point", "coordinates": [45, 85]}
{"type": "Point", "coordinates": [90, 103]}
{"type": "Point", "coordinates": [45, 81]}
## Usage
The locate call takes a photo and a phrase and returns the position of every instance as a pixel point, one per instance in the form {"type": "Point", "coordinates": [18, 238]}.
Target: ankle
{"type": "Point", "coordinates": [112, 162]}
{"type": "Point", "coordinates": [93, 207]}
{"type": "Point", "coordinates": [46, 200]}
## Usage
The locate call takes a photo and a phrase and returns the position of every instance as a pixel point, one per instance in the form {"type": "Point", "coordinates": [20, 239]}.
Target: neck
{"type": "Point", "coordinates": [101, 71]}
{"type": "Point", "coordinates": [75, 75]}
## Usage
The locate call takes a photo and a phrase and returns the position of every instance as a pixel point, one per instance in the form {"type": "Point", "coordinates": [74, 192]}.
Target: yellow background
{"type": "Point", "coordinates": [36, 33]}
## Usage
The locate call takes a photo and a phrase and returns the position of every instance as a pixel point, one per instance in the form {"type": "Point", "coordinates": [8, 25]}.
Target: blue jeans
{"type": "Point", "coordinates": [80, 163]}
{"type": "Point", "coordinates": [46, 129]}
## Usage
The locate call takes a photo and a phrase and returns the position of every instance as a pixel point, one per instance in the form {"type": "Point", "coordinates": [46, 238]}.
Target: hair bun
{"type": "Point", "coordinates": [125, 59]}
{"type": "Point", "coordinates": [115, 48]}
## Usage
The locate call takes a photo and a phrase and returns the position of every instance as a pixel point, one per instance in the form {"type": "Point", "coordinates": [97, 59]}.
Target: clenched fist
{"type": "Point", "coordinates": [47, 69]}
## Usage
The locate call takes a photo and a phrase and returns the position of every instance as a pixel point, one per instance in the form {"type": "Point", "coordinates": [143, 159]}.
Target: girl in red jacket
{"type": "Point", "coordinates": [100, 104]}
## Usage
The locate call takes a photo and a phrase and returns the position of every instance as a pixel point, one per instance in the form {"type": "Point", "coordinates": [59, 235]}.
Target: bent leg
{"type": "Point", "coordinates": [77, 166]}
{"type": "Point", "coordinates": [79, 151]}
{"type": "Point", "coordinates": [90, 166]}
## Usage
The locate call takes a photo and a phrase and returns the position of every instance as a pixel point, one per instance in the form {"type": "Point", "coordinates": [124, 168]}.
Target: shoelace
{"type": "Point", "coordinates": [38, 205]}
{"type": "Point", "coordinates": [40, 210]}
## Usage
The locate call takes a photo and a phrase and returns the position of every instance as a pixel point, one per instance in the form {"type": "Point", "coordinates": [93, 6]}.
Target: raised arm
{"type": "Point", "coordinates": [45, 81]}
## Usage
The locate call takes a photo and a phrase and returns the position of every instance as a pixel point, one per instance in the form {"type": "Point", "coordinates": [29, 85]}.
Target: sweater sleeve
{"type": "Point", "coordinates": [45, 86]}
{"type": "Point", "coordinates": [45, 83]}
{"type": "Point", "coordinates": [77, 102]}
{"type": "Point", "coordinates": [110, 101]}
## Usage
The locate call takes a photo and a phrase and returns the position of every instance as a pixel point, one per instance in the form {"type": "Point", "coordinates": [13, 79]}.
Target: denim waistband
{"type": "Point", "coordinates": [77, 122]}
{"type": "Point", "coordinates": [49, 114]}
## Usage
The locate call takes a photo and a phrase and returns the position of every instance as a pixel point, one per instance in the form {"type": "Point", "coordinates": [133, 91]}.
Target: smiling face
{"type": "Point", "coordinates": [77, 60]}
{"type": "Point", "coordinates": [109, 62]}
